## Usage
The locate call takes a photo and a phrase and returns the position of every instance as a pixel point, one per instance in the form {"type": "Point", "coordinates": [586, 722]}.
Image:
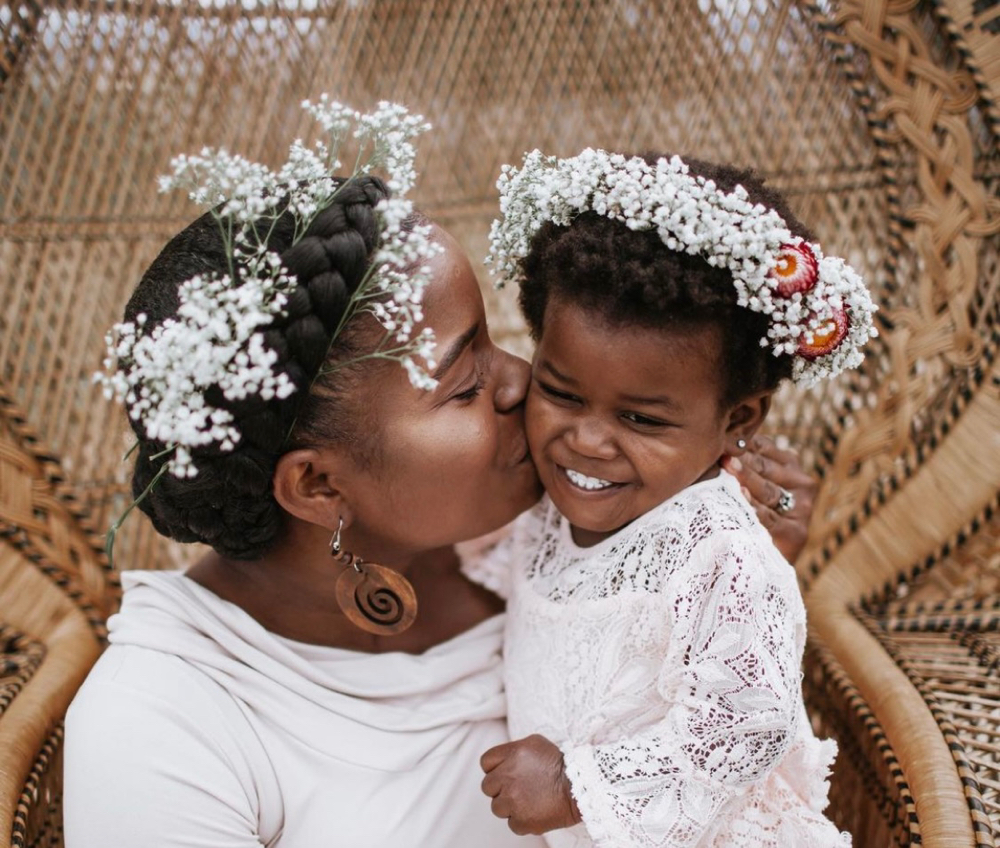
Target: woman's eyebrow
{"type": "Point", "coordinates": [455, 351]}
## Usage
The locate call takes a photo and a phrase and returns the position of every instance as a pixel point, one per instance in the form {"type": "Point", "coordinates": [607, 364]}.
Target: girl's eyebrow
{"type": "Point", "coordinates": [455, 351]}
{"type": "Point", "coordinates": [659, 400]}
{"type": "Point", "coordinates": [555, 372]}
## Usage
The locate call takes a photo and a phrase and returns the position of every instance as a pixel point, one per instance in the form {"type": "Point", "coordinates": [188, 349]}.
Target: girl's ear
{"type": "Point", "coordinates": [744, 420]}
{"type": "Point", "coordinates": [308, 484]}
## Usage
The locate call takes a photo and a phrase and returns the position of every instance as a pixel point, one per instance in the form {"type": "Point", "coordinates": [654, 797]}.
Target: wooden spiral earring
{"type": "Point", "coordinates": [373, 597]}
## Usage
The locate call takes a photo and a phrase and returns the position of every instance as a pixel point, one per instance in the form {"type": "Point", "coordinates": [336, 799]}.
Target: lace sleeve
{"type": "Point", "coordinates": [732, 679]}
{"type": "Point", "coordinates": [487, 560]}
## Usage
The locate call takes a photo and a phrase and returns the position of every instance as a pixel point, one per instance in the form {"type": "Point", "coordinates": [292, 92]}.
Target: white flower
{"type": "Point", "coordinates": [691, 215]}
{"type": "Point", "coordinates": [216, 339]}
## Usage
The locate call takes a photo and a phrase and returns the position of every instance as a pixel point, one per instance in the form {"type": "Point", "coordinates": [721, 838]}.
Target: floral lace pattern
{"type": "Point", "coordinates": [665, 663]}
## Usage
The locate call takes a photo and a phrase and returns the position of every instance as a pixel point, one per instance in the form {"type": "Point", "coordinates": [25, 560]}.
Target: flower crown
{"type": "Point", "coordinates": [819, 309]}
{"type": "Point", "coordinates": [162, 372]}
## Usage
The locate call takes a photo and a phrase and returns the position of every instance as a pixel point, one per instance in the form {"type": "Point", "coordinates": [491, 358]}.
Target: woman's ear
{"type": "Point", "coordinates": [308, 486]}
{"type": "Point", "coordinates": [745, 419]}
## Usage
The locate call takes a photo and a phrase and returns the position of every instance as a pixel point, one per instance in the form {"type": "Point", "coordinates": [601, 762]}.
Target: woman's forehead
{"type": "Point", "coordinates": [452, 300]}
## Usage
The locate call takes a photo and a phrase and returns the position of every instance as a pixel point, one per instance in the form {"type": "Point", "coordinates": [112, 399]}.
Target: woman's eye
{"type": "Point", "coordinates": [471, 392]}
{"type": "Point", "coordinates": [553, 392]}
{"type": "Point", "coordinates": [643, 420]}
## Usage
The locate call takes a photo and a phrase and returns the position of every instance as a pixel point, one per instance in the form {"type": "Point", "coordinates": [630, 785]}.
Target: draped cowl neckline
{"type": "Point", "coordinates": [398, 707]}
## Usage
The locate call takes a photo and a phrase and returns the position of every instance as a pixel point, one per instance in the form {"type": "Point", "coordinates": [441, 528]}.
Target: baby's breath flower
{"type": "Point", "coordinates": [216, 339]}
{"type": "Point", "coordinates": [692, 215]}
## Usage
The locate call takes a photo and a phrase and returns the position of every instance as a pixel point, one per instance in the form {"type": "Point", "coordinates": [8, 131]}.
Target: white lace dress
{"type": "Point", "coordinates": [665, 663]}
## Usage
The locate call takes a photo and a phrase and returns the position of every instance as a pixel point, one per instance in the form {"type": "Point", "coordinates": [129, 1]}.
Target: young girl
{"type": "Point", "coordinates": [655, 634]}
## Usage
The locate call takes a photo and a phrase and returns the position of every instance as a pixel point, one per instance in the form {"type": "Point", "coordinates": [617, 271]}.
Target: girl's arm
{"type": "Point", "coordinates": [732, 680]}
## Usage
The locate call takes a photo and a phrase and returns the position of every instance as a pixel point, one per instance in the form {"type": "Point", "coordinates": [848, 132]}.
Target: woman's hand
{"type": "Point", "coordinates": [765, 471]}
{"type": "Point", "coordinates": [527, 781]}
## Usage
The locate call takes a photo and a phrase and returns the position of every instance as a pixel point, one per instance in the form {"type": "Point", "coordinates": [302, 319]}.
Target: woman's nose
{"type": "Point", "coordinates": [514, 375]}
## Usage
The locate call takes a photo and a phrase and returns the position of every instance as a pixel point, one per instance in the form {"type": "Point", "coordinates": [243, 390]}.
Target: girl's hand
{"type": "Point", "coordinates": [764, 471]}
{"type": "Point", "coordinates": [527, 781]}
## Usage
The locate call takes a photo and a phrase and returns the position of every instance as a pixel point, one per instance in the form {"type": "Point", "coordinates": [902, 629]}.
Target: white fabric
{"type": "Point", "coordinates": [665, 662]}
{"type": "Point", "coordinates": [197, 727]}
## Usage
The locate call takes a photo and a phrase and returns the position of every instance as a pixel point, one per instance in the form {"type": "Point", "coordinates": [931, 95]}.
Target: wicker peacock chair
{"type": "Point", "coordinates": [880, 120]}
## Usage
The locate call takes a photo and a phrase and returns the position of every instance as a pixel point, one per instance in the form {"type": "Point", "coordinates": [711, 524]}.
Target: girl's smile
{"type": "Point", "coordinates": [621, 419]}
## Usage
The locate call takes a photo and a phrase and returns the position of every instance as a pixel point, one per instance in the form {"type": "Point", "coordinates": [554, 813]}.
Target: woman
{"type": "Point", "coordinates": [238, 705]}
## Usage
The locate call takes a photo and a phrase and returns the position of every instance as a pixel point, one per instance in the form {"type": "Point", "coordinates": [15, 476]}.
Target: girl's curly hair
{"type": "Point", "coordinates": [630, 277]}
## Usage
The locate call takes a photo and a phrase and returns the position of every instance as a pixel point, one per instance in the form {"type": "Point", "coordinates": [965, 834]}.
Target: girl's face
{"type": "Point", "coordinates": [452, 463]}
{"type": "Point", "coordinates": [620, 419]}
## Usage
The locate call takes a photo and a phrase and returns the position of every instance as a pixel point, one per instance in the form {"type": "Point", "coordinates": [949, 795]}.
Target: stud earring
{"type": "Point", "coordinates": [375, 598]}
{"type": "Point", "coordinates": [741, 444]}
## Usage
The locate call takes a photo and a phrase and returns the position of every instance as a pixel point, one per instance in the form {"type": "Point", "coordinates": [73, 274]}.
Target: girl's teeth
{"type": "Point", "coordinates": [585, 482]}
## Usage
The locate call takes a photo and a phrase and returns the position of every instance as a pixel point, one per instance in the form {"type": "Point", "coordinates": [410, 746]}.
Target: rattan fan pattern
{"type": "Point", "coordinates": [19, 659]}
{"type": "Point", "coordinates": [750, 85]}
{"type": "Point", "coordinates": [945, 634]}
{"type": "Point", "coordinates": [879, 118]}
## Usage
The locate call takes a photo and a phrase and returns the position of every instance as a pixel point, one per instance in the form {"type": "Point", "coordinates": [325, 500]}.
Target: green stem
{"type": "Point", "coordinates": [164, 452]}
{"type": "Point", "coordinates": [225, 223]}
{"type": "Point", "coordinates": [357, 162]}
{"type": "Point", "coordinates": [131, 451]}
{"type": "Point", "coordinates": [392, 355]}
{"type": "Point", "coordinates": [109, 544]}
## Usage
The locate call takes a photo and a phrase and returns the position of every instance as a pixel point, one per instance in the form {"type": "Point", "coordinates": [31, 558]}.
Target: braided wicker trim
{"type": "Point", "coordinates": [21, 538]}
{"type": "Point", "coordinates": [895, 803]}
{"type": "Point", "coordinates": [41, 787]}
{"type": "Point", "coordinates": [911, 463]}
{"type": "Point", "coordinates": [966, 771]}
{"type": "Point", "coordinates": [864, 33]}
{"type": "Point", "coordinates": [987, 653]}
{"type": "Point", "coordinates": [975, 30]}
{"type": "Point", "coordinates": [20, 658]}
{"type": "Point", "coordinates": [947, 609]}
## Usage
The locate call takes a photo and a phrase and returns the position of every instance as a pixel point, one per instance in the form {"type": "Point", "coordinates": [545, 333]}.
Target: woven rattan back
{"type": "Point", "coordinates": [56, 593]}
{"type": "Point", "coordinates": [883, 135]}
{"type": "Point", "coordinates": [878, 118]}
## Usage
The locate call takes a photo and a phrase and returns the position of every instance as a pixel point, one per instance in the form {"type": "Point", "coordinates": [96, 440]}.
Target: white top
{"type": "Point", "coordinates": [197, 727]}
{"type": "Point", "coordinates": [665, 663]}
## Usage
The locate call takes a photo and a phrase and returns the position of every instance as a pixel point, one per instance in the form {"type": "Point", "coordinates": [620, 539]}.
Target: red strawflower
{"type": "Point", "coordinates": [827, 339]}
{"type": "Point", "coordinates": [797, 269]}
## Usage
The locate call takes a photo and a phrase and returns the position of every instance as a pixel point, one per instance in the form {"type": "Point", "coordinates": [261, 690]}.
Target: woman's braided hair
{"type": "Point", "coordinates": [229, 505]}
{"type": "Point", "coordinates": [632, 277]}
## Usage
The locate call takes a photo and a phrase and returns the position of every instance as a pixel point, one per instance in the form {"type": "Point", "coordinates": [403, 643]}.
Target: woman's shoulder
{"type": "Point", "coordinates": [148, 686]}
{"type": "Point", "coordinates": [130, 672]}
{"type": "Point", "coordinates": [150, 733]}
{"type": "Point", "coordinates": [144, 693]}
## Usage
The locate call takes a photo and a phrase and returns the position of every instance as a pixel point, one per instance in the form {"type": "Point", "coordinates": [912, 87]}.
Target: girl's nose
{"type": "Point", "coordinates": [592, 438]}
{"type": "Point", "coordinates": [513, 376]}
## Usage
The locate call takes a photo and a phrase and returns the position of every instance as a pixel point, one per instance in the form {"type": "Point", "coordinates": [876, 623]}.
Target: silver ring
{"type": "Point", "coordinates": [786, 502]}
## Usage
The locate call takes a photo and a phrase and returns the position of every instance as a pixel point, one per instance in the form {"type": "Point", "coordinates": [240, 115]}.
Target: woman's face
{"type": "Point", "coordinates": [451, 463]}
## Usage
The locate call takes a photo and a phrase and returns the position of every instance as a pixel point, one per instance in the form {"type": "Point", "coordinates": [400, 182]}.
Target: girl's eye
{"type": "Point", "coordinates": [555, 393]}
{"type": "Point", "coordinates": [643, 420]}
